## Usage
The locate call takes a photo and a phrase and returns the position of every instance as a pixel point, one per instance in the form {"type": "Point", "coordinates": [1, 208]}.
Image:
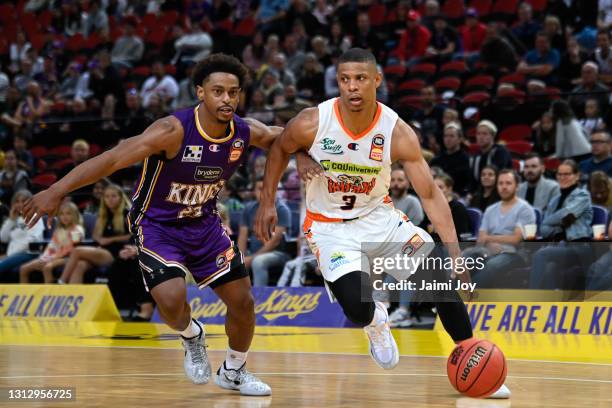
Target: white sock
{"type": "Point", "coordinates": [379, 316]}
{"type": "Point", "coordinates": [235, 359]}
{"type": "Point", "coordinates": [192, 330]}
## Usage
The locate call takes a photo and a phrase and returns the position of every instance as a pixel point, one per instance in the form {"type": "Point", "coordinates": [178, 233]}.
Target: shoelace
{"type": "Point", "coordinates": [377, 335]}
{"type": "Point", "coordinates": [197, 353]}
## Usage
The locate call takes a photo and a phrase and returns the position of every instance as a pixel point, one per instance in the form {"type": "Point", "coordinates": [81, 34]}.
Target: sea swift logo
{"type": "Point", "coordinates": [337, 259]}
{"type": "Point", "coordinates": [207, 173]}
{"type": "Point", "coordinates": [329, 146]}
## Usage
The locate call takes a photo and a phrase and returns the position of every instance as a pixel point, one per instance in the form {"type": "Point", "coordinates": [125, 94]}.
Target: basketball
{"type": "Point", "coordinates": [476, 368]}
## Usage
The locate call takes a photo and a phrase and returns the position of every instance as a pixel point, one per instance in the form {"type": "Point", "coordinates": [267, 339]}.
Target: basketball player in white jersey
{"type": "Point", "coordinates": [356, 139]}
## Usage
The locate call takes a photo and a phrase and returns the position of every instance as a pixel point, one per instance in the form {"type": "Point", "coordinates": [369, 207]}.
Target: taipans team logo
{"type": "Point", "coordinates": [215, 148]}
{"type": "Point", "coordinates": [225, 258]}
{"type": "Point", "coordinates": [412, 245]}
{"type": "Point", "coordinates": [203, 173]}
{"type": "Point", "coordinates": [376, 149]}
{"type": "Point", "coordinates": [237, 148]}
{"type": "Point", "coordinates": [345, 183]}
{"type": "Point", "coordinates": [337, 259]}
{"type": "Point", "coordinates": [193, 154]}
{"type": "Point", "coordinates": [353, 146]}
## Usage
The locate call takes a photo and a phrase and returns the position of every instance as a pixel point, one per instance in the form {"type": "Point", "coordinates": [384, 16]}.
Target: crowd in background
{"type": "Point", "coordinates": [487, 86]}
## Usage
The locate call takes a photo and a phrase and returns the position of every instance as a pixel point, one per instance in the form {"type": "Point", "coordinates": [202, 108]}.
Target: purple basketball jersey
{"type": "Point", "coordinates": [186, 187]}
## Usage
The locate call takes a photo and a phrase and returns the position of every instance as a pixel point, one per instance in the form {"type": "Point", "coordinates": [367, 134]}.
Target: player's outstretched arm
{"type": "Point", "coordinates": [264, 136]}
{"type": "Point", "coordinates": [406, 148]}
{"type": "Point", "coordinates": [164, 135]}
{"type": "Point", "coordinates": [298, 135]}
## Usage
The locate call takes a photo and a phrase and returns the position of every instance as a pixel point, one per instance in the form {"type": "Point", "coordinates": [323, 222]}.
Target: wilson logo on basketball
{"type": "Point", "coordinates": [473, 362]}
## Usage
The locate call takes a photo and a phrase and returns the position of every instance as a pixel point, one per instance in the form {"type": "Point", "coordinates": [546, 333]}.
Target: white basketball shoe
{"type": "Point", "coordinates": [383, 347]}
{"type": "Point", "coordinates": [502, 393]}
{"type": "Point", "coordinates": [197, 367]}
{"type": "Point", "coordinates": [241, 380]}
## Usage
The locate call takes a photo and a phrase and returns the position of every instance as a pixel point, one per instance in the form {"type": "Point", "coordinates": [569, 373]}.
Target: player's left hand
{"type": "Point", "coordinates": [265, 222]}
{"type": "Point", "coordinates": [308, 169]}
{"type": "Point", "coordinates": [45, 202]}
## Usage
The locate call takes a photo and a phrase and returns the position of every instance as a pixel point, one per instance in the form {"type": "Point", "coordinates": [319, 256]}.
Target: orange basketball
{"type": "Point", "coordinates": [476, 368]}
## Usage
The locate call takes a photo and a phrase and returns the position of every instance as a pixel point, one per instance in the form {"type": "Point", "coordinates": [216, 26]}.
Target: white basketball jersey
{"type": "Point", "coordinates": [357, 167]}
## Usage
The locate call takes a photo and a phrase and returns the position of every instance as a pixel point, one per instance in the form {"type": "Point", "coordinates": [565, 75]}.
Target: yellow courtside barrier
{"type": "Point", "coordinates": [541, 312]}
{"type": "Point", "coordinates": [57, 302]}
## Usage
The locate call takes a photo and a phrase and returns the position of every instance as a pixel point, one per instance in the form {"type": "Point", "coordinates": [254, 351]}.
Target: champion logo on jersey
{"type": "Point", "coordinates": [215, 148]}
{"type": "Point", "coordinates": [376, 150]}
{"type": "Point", "coordinates": [353, 146]}
{"type": "Point", "coordinates": [236, 152]}
{"type": "Point", "coordinates": [193, 154]}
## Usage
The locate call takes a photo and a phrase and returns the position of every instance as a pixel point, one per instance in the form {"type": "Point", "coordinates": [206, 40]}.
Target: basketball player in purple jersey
{"type": "Point", "coordinates": [188, 157]}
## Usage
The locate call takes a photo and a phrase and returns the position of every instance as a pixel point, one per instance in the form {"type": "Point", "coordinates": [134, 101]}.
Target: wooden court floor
{"type": "Point", "coordinates": [140, 365]}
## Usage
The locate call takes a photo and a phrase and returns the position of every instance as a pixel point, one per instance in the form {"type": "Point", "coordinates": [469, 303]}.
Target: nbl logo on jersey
{"type": "Point", "coordinates": [376, 150]}
{"type": "Point", "coordinates": [193, 154]}
{"type": "Point", "coordinates": [236, 152]}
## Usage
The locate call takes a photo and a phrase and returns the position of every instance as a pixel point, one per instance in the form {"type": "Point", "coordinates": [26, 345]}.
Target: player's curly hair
{"type": "Point", "coordinates": [219, 63]}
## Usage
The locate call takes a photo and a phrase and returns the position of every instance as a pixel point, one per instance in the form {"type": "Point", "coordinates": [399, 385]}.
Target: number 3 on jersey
{"type": "Point", "coordinates": [349, 202]}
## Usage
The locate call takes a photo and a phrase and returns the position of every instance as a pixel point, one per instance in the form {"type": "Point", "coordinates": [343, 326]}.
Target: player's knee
{"type": "Point", "coordinates": [171, 297]}
{"type": "Point", "coordinates": [243, 307]}
{"type": "Point", "coordinates": [172, 313]}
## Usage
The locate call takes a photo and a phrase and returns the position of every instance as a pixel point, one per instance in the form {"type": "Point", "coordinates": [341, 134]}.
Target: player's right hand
{"type": "Point", "coordinates": [308, 169]}
{"type": "Point", "coordinates": [265, 222]}
{"type": "Point", "coordinates": [45, 202]}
